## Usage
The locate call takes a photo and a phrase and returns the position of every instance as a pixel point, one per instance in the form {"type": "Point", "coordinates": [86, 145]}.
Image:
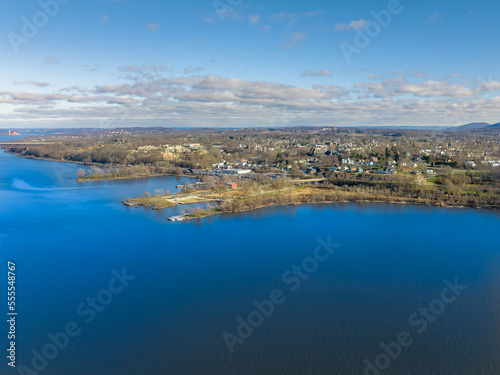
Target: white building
{"type": "Point", "coordinates": [238, 171]}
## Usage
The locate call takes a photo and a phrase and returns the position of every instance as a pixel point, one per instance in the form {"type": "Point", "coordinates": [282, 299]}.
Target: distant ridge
{"type": "Point", "coordinates": [473, 125]}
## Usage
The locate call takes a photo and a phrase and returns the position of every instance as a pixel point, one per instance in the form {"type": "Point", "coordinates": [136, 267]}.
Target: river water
{"type": "Point", "coordinates": [186, 286]}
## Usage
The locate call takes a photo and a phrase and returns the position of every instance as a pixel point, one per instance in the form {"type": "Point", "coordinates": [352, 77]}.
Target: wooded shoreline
{"type": "Point", "coordinates": [343, 188]}
{"type": "Point", "coordinates": [232, 202]}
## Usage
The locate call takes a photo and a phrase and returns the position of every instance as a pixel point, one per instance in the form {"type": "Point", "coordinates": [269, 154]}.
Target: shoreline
{"type": "Point", "coordinates": [353, 199]}
{"type": "Point", "coordinates": [57, 160]}
{"type": "Point", "coordinates": [188, 217]}
{"type": "Point", "coordinates": [214, 212]}
{"type": "Point", "coordinates": [83, 179]}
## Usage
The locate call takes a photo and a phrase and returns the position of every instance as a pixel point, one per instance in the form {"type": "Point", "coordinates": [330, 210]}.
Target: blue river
{"type": "Point", "coordinates": [102, 288]}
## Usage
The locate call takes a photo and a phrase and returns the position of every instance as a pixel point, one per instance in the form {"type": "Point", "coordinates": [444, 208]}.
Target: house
{"type": "Point", "coordinates": [310, 170]}
{"type": "Point", "coordinates": [232, 185]}
{"type": "Point", "coordinates": [194, 146]}
{"type": "Point", "coordinates": [470, 164]}
{"type": "Point", "coordinates": [169, 156]}
{"type": "Point", "coordinates": [388, 170]}
{"type": "Point", "coordinates": [318, 149]}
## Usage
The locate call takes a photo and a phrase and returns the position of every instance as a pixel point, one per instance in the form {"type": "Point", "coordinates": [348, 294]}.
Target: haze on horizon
{"type": "Point", "coordinates": [239, 63]}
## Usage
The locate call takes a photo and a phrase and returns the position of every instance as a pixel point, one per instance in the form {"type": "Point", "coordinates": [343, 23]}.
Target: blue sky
{"type": "Point", "coordinates": [248, 63]}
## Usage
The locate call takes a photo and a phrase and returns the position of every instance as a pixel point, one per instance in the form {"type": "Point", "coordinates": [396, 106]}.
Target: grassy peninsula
{"type": "Point", "coordinates": [218, 197]}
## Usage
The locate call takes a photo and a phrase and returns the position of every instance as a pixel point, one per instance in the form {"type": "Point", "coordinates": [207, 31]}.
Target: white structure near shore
{"type": "Point", "coordinates": [237, 171]}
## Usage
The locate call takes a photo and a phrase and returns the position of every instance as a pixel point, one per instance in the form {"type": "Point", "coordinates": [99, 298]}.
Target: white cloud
{"type": "Point", "coordinates": [106, 99]}
{"type": "Point", "coordinates": [152, 27]}
{"type": "Point", "coordinates": [319, 73]}
{"type": "Point", "coordinates": [285, 15]}
{"type": "Point", "coordinates": [49, 61]}
{"type": "Point", "coordinates": [313, 13]}
{"type": "Point", "coordinates": [192, 69]}
{"type": "Point", "coordinates": [103, 18]}
{"type": "Point", "coordinates": [254, 19]}
{"type": "Point", "coordinates": [141, 69]}
{"type": "Point", "coordinates": [435, 17]}
{"type": "Point", "coordinates": [294, 40]}
{"type": "Point", "coordinates": [431, 89]}
{"type": "Point", "coordinates": [293, 18]}
{"type": "Point", "coordinates": [490, 86]}
{"type": "Point", "coordinates": [91, 67]}
{"type": "Point", "coordinates": [217, 101]}
{"type": "Point", "coordinates": [34, 83]}
{"type": "Point", "coordinates": [421, 74]}
{"type": "Point", "coordinates": [359, 24]}
{"type": "Point", "coordinates": [436, 89]}
{"type": "Point", "coordinates": [147, 72]}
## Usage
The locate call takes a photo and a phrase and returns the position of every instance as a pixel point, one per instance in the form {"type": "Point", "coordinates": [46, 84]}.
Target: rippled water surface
{"type": "Point", "coordinates": [193, 280]}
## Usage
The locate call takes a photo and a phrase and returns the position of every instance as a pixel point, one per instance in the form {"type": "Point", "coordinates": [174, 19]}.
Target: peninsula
{"type": "Point", "coordinates": [246, 169]}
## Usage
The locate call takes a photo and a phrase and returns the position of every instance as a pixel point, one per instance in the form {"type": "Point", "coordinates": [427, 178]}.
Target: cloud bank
{"type": "Point", "coordinates": [145, 97]}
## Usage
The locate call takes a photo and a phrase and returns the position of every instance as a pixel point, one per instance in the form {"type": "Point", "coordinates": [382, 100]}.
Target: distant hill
{"type": "Point", "coordinates": [497, 125]}
{"type": "Point", "coordinates": [474, 125]}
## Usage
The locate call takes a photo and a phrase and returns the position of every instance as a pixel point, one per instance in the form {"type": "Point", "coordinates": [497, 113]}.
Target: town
{"type": "Point", "coordinates": [449, 167]}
